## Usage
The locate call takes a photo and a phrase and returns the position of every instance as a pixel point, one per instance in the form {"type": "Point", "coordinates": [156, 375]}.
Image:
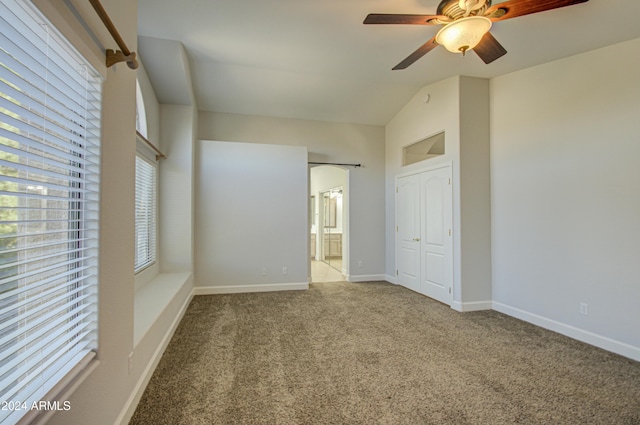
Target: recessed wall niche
{"type": "Point", "coordinates": [424, 149]}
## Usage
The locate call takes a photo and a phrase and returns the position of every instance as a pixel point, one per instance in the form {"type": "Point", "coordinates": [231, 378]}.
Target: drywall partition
{"type": "Point", "coordinates": [457, 106]}
{"type": "Point", "coordinates": [251, 217]}
{"type": "Point", "coordinates": [327, 142]}
{"type": "Point", "coordinates": [565, 196]}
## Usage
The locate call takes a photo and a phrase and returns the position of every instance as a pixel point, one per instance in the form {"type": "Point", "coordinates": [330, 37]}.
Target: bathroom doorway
{"type": "Point", "coordinates": [328, 223]}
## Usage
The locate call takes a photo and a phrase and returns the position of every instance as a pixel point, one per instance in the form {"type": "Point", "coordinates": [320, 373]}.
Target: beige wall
{"type": "Point", "coordinates": [565, 195]}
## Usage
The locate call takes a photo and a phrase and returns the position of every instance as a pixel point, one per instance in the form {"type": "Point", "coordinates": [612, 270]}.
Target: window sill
{"type": "Point", "coordinates": [152, 298]}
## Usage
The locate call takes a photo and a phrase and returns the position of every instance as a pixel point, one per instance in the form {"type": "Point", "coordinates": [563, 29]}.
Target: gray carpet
{"type": "Point", "coordinates": [375, 353]}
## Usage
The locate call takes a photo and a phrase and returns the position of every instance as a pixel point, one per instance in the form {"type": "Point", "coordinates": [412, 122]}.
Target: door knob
{"type": "Point", "coordinates": [416, 239]}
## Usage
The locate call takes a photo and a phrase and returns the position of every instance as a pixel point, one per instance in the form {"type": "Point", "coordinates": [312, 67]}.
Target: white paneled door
{"type": "Point", "coordinates": [408, 231]}
{"type": "Point", "coordinates": [436, 248]}
{"type": "Point", "coordinates": [424, 224]}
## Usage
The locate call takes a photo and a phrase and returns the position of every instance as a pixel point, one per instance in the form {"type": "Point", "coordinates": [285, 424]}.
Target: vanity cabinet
{"type": "Point", "coordinates": [332, 245]}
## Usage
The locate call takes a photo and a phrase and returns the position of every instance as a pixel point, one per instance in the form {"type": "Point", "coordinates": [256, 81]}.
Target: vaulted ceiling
{"type": "Point", "coordinates": [316, 60]}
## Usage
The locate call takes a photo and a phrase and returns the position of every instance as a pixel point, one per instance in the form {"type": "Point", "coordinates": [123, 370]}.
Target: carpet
{"type": "Point", "coordinates": [376, 353]}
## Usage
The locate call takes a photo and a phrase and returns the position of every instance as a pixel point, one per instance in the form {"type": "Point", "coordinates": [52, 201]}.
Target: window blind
{"type": "Point", "coordinates": [49, 181]}
{"type": "Point", "coordinates": [145, 254]}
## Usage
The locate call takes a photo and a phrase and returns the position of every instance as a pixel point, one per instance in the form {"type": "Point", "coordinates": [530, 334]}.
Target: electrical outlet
{"type": "Point", "coordinates": [264, 271]}
{"type": "Point", "coordinates": [584, 308]}
{"type": "Point", "coordinates": [284, 270]}
{"type": "Point", "coordinates": [360, 264]}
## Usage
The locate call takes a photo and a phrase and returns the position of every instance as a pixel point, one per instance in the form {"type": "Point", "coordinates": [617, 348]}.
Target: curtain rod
{"type": "Point", "coordinates": [115, 56]}
{"type": "Point", "coordinates": [159, 155]}
{"type": "Point", "coordinates": [335, 163]}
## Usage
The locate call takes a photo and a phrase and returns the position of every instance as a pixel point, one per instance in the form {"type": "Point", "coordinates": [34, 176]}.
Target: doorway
{"type": "Point", "coordinates": [328, 223]}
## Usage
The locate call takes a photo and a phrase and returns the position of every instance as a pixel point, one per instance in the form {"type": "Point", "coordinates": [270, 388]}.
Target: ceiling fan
{"type": "Point", "coordinates": [466, 25]}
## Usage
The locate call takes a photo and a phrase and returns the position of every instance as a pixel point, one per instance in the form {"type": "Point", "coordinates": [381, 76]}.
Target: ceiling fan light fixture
{"type": "Point", "coordinates": [463, 34]}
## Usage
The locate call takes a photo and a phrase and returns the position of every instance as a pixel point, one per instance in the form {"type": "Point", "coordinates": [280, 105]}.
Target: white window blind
{"type": "Point", "coordinates": [145, 254]}
{"type": "Point", "coordinates": [49, 182]}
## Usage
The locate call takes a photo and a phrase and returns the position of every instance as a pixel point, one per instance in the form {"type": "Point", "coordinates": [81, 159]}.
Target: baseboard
{"type": "Point", "coordinates": [391, 279]}
{"type": "Point", "coordinates": [471, 306]}
{"type": "Point", "coordinates": [600, 341]}
{"type": "Point", "coordinates": [130, 407]}
{"type": "Point", "coordinates": [239, 289]}
{"type": "Point", "coordinates": [366, 278]}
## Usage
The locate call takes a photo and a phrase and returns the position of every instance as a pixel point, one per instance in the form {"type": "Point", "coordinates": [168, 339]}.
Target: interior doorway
{"type": "Point", "coordinates": [328, 223]}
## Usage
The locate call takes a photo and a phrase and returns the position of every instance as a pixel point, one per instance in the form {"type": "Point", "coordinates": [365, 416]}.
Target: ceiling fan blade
{"type": "Point", "coordinates": [385, 18]}
{"type": "Point", "coordinates": [489, 49]}
{"type": "Point", "coordinates": [420, 52]}
{"type": "Point", "coordinates": [515, 8]}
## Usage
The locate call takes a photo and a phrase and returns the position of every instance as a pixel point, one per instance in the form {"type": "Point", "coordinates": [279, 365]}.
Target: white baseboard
{"type": "Point", "coordinates": [471, 306]}
{"type": "Point", "coordinates": [391, 279]}
{"type": "Point", "coordinates": [141, 385]}
{"type": "Point", "coordinates": [600, 341]}
{"type": "Point", "coordinates": [239, 289]}
{"type": "Point", "coordinates": [365, 278]}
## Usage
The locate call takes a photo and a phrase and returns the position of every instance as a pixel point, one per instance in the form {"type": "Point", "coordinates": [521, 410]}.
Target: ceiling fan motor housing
{"type": "Point", "coordinates": [452, 9]}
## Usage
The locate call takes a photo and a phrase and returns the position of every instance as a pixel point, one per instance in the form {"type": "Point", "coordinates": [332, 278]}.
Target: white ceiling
{"type": "Point", "coordinates": [314, 59]}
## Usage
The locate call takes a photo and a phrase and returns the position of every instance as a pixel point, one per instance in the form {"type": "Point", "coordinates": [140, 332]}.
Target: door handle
{"type": "Point", "coordinates": [416, 239]}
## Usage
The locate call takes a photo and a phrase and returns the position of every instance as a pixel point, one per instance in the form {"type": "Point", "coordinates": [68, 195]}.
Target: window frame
{"type": "Point", "coordinates": [144, 154]}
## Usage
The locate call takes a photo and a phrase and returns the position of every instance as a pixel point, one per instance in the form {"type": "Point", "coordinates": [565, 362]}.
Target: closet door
{"type": "Point", "coordinates": [408, 232]}
{"type": "Point", "coordinates": [436, 247]}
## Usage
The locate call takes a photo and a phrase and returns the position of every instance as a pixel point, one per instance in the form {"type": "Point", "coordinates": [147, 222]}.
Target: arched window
{"type": "Point", "coordinates": [141, 114]}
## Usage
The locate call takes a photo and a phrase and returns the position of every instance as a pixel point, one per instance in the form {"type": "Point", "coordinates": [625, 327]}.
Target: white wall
{"type": "Point", "coordinates": [326, 142]}
{"type": "Point", "coordinates": [251, 213]}
{"type": "Point", "coordinates": [565, 143]}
